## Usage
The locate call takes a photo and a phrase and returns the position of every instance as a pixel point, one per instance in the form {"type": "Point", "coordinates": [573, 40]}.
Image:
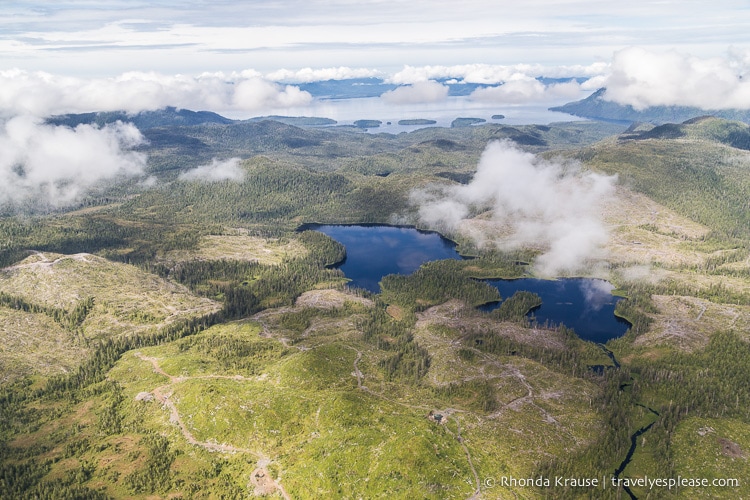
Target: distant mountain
{"type": "Point", "coordinates": [730, 133]}
{"type": "Point", "coordinates": [350, 88]}
{"type": "Point", "coordinates": [167, 117]}
{"type": "Point", "coordinates": [696, 168]}
{"type": "Point", "coordinates": [353, 88]}
{"type": "Point", "coordinates": [597, 108]}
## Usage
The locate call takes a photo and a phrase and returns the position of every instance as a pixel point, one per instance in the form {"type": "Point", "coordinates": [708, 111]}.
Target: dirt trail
{"type": "Point", "coordinates": [460, 440]}
{"type": "Point", "coordinates": [45, 262]}
{"type": "Point", "coordinates": [360, 377]}
{"type": "Point", "coordinates": [260, 318]}
{"type": "Point", "coordinates": [163, 395]}
{"type": "Point", "coordinates": [529, 398]}
{"type": "Point", "coordinates": [703, 309]}
{"type": "Point", "coordinates": [358, 373]}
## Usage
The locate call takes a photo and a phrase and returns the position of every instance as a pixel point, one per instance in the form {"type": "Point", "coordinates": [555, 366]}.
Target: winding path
{"type": "Point", "coordinates": [163, 394]}
{"type": "Point", "coordinates": [360, 377]}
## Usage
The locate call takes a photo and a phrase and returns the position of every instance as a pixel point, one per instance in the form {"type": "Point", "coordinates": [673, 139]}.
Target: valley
{"type": "Point", "coordinates": [184, 338]}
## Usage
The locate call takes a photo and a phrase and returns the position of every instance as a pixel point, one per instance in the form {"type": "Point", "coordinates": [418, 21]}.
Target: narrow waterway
{"type": "Point", "coordinates": [633, 437]}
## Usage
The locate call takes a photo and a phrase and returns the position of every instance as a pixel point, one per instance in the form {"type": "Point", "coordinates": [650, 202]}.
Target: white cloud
{"type": "Point", "coordinates": [227, 170]}
{"type": "Point", "coordinates": [644, 78]}
{"type": "Point", "coordinates": [544, 204]}
{"type": "Point", "coordinates": [56, 165]}
{"type": "Point", "coordinates": [491, 74]}
{"type": "Point", "coordinates": [255, 94]}
{"type": "Point", "coordinates": [596, 293]}
{"type": "Point", "coordinates": [307, 75]}
{"type": "Point", "coordinates": [523, 89]}
{"type": "Point", "coordinates": [43, 94]}
{"type": "Point", "coordinates": [419, 92]}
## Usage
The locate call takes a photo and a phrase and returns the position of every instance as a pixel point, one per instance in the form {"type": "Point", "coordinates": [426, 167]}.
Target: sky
{"type": "Point", "coordinates": [83, 54]}
{"type": "Point", "coordinates": [107, 37]}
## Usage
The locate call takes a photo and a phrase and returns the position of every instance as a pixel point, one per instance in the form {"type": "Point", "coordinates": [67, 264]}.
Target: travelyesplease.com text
{"type": "Point", "coordinates": [610, 482]}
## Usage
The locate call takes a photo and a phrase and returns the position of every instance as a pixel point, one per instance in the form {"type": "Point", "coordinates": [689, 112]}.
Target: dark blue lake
{"type": "Point", "coordinates": [374, 251]}
{"type": "Point", "coordinates": [585, 305]}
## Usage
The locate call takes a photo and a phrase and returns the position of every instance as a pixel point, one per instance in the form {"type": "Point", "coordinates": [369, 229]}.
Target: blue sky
{"type": "Point", "coordinates": [77, 55]}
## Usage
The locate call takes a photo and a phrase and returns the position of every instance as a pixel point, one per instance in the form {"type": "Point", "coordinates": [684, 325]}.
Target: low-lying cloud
{"type": "Point", "coordinates": [552, 206]}
{"type": "Point", "coordinates": [44, 94]}
{"type": "Point", "coordinates": [216, 171]}
{"type": "Point", "coordinates": [596, 293]}
{"type": "Point", "coordinates": [417, 93]}
{"type": "Point", "coordinates": [643, 78]}
{"type": "Point", "coordinates": [308, 75]}
{"type": "Point", "coordinates": [524, 89]}
{"type": "Point", "coordinates": [53, 166]}
{"type": "Point", "coordinates": [493, 74]}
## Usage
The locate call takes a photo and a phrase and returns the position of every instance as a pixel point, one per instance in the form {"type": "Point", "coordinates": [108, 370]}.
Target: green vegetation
{"type": "Point", "coordinates": [146, 353]}
{"type": "Point", "coordinates": [68, 320]}
{"type": "Point", "coordinates": [434, 283]}
{"type": "Point", "coordinates": [704, 181]}
{"type": "Point", "coordinates": [517, 306]}
{"type": "Point", "coordinates": [299, 121]}
{"type": "Point", "coordinates": [367, 123]}
{"type": "Point", "coordinates": [417, 121]}
{"type": "Point", "coordinates": [594, 106]}
{"type": "Point", "coordinates": [466, 122]}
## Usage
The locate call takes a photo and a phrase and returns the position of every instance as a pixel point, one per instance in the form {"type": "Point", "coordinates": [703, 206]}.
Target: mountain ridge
{"type": "Point", "coordinates": [165, 117]}
{"type": "Point", "coordinates": [597, 107]}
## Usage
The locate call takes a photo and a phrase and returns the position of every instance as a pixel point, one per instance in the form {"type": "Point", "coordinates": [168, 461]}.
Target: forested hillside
{"type": "Point", "coordinates": [597, 107]}
{"type": "Point", "coordinates": [176, 336]}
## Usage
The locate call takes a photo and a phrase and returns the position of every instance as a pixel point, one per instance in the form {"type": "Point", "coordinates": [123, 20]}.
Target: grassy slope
{"type": "Point", "coordinates": [695, 270]}
{"type": "Point", "coordinates": [698, 175]}
{"type": "Point", "coordinates": [302, 410]}
{"type": "Point", "coordinates": [126, 300]}
{"type": "Point", "coordinates": [33, 343]}
{"type": "Point", "coordinates": [299, 410]}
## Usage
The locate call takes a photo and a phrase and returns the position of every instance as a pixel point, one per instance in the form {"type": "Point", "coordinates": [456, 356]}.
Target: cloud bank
{"type": "Point", "coordinates": [308, 75]}
{"type": "Point", "coordinates": [44, 94]}
{"type": "Point", "coordinates": [635, 76]}
{"type": "Point", "coordinates": [417, 93]}
{"type": "Point", "coordinates": [547, 205]}
{"type": "Point", "coordinates": [492, 74]}
{"type": "Point", "coordinates": [524, 89]}
{"type": "Point", "coordinates": [644, 78]}
{"type": "Point", "coordinates": [216, 171]}
{"type": "Point", "coordinates": [55, 166]}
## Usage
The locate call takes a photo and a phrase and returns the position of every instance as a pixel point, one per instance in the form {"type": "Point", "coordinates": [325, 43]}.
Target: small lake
{"type": "Point", "coordinates": [583, 304]}
{"type": "Point", "coordinates": [374, 251]}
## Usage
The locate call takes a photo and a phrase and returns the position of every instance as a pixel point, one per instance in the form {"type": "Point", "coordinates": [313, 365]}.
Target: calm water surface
{"type": "Point", "coordinates": [585, 305]}
{"type": "Point", "coordinates": [347, 111]}
{"type": "Point", "coordinates": [373, 251]}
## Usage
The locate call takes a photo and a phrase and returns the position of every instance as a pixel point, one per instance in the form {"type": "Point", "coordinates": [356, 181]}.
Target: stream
{"type": "Point", "coordinates": [586, 305]}
{"type": "Point", "coordinates": [633, 437]}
